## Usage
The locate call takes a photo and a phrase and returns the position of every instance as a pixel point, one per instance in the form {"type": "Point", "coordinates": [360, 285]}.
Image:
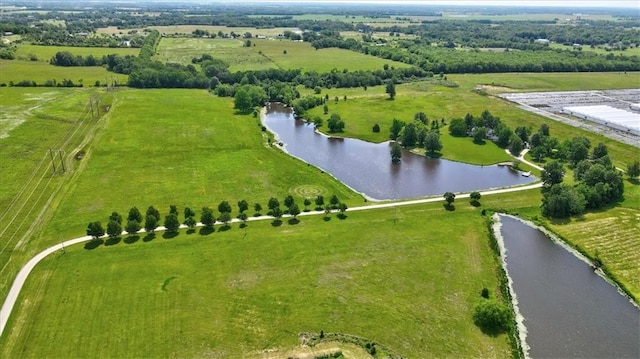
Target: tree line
{"type": "Point", "coordinates": [152, 219]}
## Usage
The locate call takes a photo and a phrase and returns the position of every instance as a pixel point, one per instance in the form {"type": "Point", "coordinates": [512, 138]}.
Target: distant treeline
{"type": "Point", "coordinates": [451, 60]}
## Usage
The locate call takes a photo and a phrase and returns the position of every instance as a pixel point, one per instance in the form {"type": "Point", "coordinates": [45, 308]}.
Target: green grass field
{"type": "Point", "coordinates": [240, 58]}
{"type": "Point", "coordinates": [45, 53]}
{"type": "Point", "coordinates": [38, 71]}
{"type": "Point", "coordinates": [33, 121]}
{"type": "Point", "coordinates": [363, 109]}
{"type": "Point", "coordinates": [563, 81]}
{"type": "Point", "coordinates": [189, 29]}
{"type": "Point", "coordinates": [232, 293]}
{"type": "Point", "coordinates": [182, 147]}
{"type": "Point", "coordinates": [187, 147]}
{"type": "Point", "coordinates": [268, 53]}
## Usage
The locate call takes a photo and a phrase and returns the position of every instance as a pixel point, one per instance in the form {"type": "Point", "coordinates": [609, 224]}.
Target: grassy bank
{"type": "Point", "coordinates": [376, 274]}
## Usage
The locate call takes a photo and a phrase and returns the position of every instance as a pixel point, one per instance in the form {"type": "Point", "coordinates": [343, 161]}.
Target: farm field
{"type": "Point", "coordinates": [269, 53]}
{"type": "Point", "coordinates": [263, 285]}
{"type": "Point", "coordinates": [45, 53]}
{"type": "Point", "coordinates": [599, 50]}
{"type": "Point", "coordinates": [231, 51]}
{"type": "Point", "coordinates": [531, 82]}
{"type": "Point", "coordinates": [38, 71]}
{"type": "Point", "coordinates": [188, 29]}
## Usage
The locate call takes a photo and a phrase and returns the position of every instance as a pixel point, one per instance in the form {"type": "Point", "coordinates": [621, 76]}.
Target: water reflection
{"type": "Point", "coordinates": [569, 311]}
{"type": "Point", "coordinates": [367, 167]}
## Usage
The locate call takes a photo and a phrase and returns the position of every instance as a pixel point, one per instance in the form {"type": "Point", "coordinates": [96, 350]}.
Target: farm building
{"type": "Point", "coordinates": [609, 116]}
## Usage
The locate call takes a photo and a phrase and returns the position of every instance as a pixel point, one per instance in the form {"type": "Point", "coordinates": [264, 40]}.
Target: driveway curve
{"type": "Point", "coordinates": [23, 274]}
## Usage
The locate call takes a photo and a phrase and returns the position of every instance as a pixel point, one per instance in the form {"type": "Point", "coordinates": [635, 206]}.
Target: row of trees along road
{"type": "Point", "coordinates": [135, 220]}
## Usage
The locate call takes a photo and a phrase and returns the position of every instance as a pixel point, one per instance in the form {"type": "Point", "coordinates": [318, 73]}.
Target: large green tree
{"type": "Point", "coordinates": [553, 173]}
{"type": "Point", "coordinates": [171, 222]}
{"type": "Point", "coordinates": [390, 89]}
{"type": "Point", "coordinates": [206, 217]}
{"type": "Point", "coordinates": [95, 230]}
{"type": "Point", "coordinates": [114, 228]}
{"type": "Point", "coordinates": [432, 143]}
{"type": "Point", "coordinates": [562, 200]}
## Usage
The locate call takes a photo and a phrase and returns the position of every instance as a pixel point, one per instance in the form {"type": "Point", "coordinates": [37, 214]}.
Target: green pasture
{"type": "Point", "coordinates": [238, 292]}
{"type": "Point", "coordinates": [231, 51]}
{"type": "Point", "coordinates": [268, 53]}
{"type": "Point", "coordinates": [38, 71]}
{"type": "Point", "coordinates": [563, 81]}
{"type": "Point", "coordinates": [182, 147]}
{"type": "Point", "coordinates": [45, 53]}
{"type": "Point", "coordinates": [33, 121]}
{"type": "Point", "coordinates": [559, 17]}
{"type": "Point", "coordinates": [599, 50]}
{"type": "Point", "coordinates": [189, 29]}
{"type": "Point", "coordinates": [300, 55]}
{"type": "Point", "coordinates": [363, 109]}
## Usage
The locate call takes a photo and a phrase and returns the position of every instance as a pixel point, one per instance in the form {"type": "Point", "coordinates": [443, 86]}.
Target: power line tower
{"type": "Point", "coordinates": [57, 161]}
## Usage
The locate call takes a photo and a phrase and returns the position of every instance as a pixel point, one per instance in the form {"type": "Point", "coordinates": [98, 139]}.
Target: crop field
{"type": "Point", "coordinates": [38, 71]}
{"type": "Point", "coordinates": [45, 53]}
{"type": "Point", "coordinates": [611, 235]}
{"type": "Point", "coordinates": [269, 53]}
{"type": "Point", "coordinates": [240, 292]}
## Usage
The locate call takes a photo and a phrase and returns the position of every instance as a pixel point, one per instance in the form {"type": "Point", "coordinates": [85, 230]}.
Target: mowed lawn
{"type": "Point", "coordinates": [38, 71]}
{"type": "Point", "coordinates": [182, 147]}
{"type": "Point", "coordinates": [45, 53]}
{"type": "Point", "coordinates": [363, 109]}
{"type": "Point", "coordinates": [407, 278]}
{"type": "Point", "coordinates": [269, 53]}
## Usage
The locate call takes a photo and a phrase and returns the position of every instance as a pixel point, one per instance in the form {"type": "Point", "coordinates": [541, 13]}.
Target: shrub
{"type": "Point", "coordinates": [376, 128]}
{"type": "Point", "coordinates": [491, 316]}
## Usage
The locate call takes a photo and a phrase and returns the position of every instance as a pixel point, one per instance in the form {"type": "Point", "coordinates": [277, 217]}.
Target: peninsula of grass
{"type": "Point", "coordinates": [16, 71]}
{"type": "Point", "coordinates": [365, 108]}
{"type": "Point", "coordinates": [237, 292]}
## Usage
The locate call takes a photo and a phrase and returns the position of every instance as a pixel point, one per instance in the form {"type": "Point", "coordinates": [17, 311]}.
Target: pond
{"type": "Point", "coordinates": [367, 168]}
{"type": "Point", "coordinates": [569, 310]}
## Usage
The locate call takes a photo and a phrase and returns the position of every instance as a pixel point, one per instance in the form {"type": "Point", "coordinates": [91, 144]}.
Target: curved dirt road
{"type": "Point", "coordinates": [22, 276]}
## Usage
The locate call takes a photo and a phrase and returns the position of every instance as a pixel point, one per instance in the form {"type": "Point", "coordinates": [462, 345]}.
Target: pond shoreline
{"type": "Point", "coordinates": [537, 303]}
{"type": "Point", "coordinates": [365, 167]}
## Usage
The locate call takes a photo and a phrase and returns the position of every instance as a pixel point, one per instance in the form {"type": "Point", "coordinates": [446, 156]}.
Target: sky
{"type": "Point", "coordinates": [550, 3]}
